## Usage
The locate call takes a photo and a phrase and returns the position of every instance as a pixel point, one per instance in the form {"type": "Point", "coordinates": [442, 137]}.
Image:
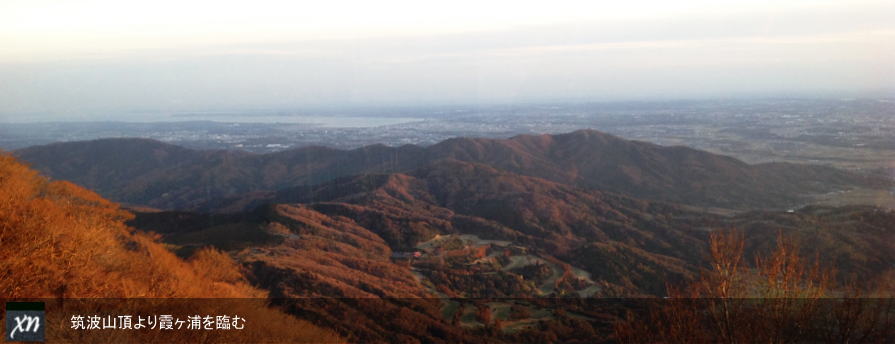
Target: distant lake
{"type": "Point", "coordinates": [323, 121]}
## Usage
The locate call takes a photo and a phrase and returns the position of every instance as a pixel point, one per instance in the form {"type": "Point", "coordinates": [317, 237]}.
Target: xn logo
{"type": "Point", "coordinates": [25, 321]}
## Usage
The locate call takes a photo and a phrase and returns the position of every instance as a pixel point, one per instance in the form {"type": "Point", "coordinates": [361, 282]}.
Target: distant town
{"type": "Point", "coordinates": [847, 133]}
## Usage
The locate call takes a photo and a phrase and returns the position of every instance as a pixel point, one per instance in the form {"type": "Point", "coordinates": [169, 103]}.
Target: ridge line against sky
{"type": "Point", "coordinates": [104, 56]}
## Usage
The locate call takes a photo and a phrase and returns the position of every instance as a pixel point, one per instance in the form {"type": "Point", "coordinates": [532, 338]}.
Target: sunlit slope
{"type": "Point", "coordinates": [60, 240]}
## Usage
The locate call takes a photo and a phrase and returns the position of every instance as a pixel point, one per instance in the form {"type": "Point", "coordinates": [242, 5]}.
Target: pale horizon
{"type": "Point", "coordinates": [65, 59]}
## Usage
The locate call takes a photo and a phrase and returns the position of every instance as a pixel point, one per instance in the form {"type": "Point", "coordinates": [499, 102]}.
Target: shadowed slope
{"type": "Point", "coordinates": [596, 160]}
{"type": "Point", "coordinates": [62, 241]}
{"type": "Point", "coordinates": [622, 241]}
{"type": "Point", "coordinates": [169, 177]}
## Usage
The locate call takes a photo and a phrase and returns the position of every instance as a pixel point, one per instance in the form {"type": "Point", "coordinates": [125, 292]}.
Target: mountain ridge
{"type": "Point", "coordinates": [172, 177]}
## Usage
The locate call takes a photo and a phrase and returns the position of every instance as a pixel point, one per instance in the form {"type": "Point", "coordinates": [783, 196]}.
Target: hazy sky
{"type": "Point", "coordinates": [77, 59]}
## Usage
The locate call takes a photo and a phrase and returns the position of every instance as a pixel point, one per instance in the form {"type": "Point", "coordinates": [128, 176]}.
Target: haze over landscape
{"type": "Point", "coordinates": [105, 59]}
{"type": "Point", "coordinates": [458, 172]}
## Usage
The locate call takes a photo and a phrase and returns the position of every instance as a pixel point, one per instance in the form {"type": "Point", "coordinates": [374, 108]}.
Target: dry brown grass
{"type": "Point", "coordinates": [60, 241]}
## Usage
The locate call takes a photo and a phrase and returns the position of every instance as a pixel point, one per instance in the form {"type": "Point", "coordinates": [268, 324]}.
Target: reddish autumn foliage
{"type": "Point", "coordinates": [60, 241]}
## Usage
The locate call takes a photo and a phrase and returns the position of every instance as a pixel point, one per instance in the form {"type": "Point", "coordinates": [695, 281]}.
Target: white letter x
{"type": "Point", "coordinates": [22, 320]}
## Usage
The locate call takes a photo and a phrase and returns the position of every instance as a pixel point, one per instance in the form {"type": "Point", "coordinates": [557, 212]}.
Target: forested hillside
{"type": "Point", "coordinates": [58, 240]}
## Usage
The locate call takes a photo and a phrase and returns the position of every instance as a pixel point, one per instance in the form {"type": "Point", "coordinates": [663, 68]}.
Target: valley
{"type": "Point", "coordinates": [478, 239]}
{"type": "Point", "coordinates": [476, 172]}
